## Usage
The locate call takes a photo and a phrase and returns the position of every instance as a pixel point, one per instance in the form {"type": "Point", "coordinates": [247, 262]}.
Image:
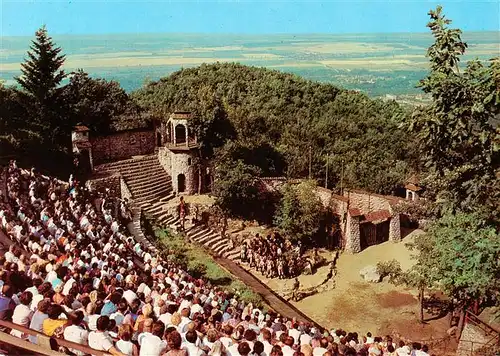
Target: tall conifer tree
{"type": "Point", "coordinates": [40, 80]}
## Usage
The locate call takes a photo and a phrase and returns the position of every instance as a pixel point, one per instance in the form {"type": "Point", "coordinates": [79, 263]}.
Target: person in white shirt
{"type": "Point", "coordinates": [129, 295]}
{"type": "Point", "coordinates": [10, 256]}
{"type": "Point", "coordinates": [119, 315]}
{"type": "Point", "coordinates": [69, 284]}
{"type": "Point", "coordinates": [75, 332]}
{"type": "Point", "coordinates": [266, 341]}
{"type": "Point", "coordinates": [369, 338]}
{"type": "Point", "coordinates": [293, 332]}
{"type": "Point", "coordinates": [190, 344]}
{"type": "Point", "coordinates": [182, 327]}
{"type": "Point", "coordinates": [100, 340]}
{"type": "Point", "coordinates": [196, 307]}
{"type": "Point", "coordinates": [125, 345]}
{"type": "Point", "coordinates": [151, 344]}
{"type": "Point", "coordinates": [166, 313]}
{"type": "Point", "coordinates": [320, 350]}
{"type": "Point", "coordinates": [22, 314]}
{"type": "Point", "coordinates": [287, 347]}
{"type": "Point", "coordinates": [226, 340]}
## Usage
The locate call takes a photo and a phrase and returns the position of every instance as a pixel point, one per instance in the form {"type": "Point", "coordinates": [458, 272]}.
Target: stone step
{"type": "Point", "coordinates": [159, 215]}
{"type": "Point", "coordinates": [209, 243]}
{"type": "Point", "coordinates": [168, 197]}
{"type": "Point", "coordinates": [172, 220]}
{"type": "Point", "coordinates": [152, 187]}
{"type": "Point", "coordinates": [154, 208]}
{"type": "Point", "coordinates": [130, 161]}
{"type": "Point", "coordinates": [154, 197]}
{"type": "Point", "coordinates": [146, 178]}
{"type": "Point", "coordinates": [130, 169]}
{"type": "Point", "coordinates": [222, 249]}
{"type": "Point", "coordinates": [216, 246]}
{"type": "Point", "coordinates": [152, 190]}
{"type": "Point", "coordinates": [232, 255]}
{"type": "Point", "coordinates": [198, 233]}
{"type": "Point", "coordinates": [140, 173]}
{"type": "Point", "coordinates": [210, 237]}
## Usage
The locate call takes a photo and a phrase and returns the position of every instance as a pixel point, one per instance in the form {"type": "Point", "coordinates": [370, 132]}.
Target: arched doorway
{"type": "Point", "coordinates": [180, 134]}
{"type": "Point", "coordinates": [181, 183]}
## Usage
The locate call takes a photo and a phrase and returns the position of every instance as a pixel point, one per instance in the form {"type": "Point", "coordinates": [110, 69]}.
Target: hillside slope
{"type": "Point", "coordinates": [293, 114]}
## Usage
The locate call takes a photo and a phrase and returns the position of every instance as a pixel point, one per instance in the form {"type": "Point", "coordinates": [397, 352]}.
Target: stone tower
{"type": "Point", "coordinates": [180, 152]}
{"type": "Point", "coordinates": [82, 148]}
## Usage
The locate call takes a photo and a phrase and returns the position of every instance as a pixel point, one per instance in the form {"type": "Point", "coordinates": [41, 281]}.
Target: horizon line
{"type": "Point", "coordinates": [244, 33]}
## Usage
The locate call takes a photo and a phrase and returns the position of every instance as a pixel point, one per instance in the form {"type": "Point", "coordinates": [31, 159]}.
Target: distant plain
{"type": "Point", "coordinates": [377, 64]}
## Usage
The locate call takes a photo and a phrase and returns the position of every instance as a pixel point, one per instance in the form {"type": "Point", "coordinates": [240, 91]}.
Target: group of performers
{"type": "Point", "coordinates": [273, 256]}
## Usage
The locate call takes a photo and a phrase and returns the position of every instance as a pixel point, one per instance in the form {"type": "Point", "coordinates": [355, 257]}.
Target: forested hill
{"type": "Point", "coordinates": [292, 114]}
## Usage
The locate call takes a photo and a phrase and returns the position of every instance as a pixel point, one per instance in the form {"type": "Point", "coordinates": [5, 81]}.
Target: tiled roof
{"type": "Point", "coordinates": [181, 115]}
{"type": "Point", "coordinates": [413, 187]}
{"type": "Point", "coordinates": [355, 212]}
{"type": "Point", "coordinates": [80, 128]}
{"type": "Point", "coordinates": [377, 215]}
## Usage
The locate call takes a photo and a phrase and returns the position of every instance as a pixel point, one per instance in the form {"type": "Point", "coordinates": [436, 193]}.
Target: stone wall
{"type": "Point", "coordinates": [395, 228]}
{"type": "Point", "coordinates": [111, 182]}
{"type": "Point", "coordinates": [325, 195]}
{"type": "Point", "coordinates": [472, 340]}
{"type": "Point", "coordinates": [353, 235]}
{"type": "Point", "coordinates": [339, 204]}
{"type": "Point", "coordinates": [122, 145]}
{"type": "Point", "coordinates": [367, 202]}
{"type": "Point", "coordinates": [176, 163]}
{"type": "Point", "coordinates": [124, 189]}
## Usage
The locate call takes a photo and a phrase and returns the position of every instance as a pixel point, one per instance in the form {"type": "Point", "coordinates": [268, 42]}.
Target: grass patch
{"type": "Point", "coordinates": [198, 263]}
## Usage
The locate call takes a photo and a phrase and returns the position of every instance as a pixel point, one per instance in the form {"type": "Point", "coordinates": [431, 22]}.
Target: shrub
{"type": "Point", "coordinates": [390, 268]}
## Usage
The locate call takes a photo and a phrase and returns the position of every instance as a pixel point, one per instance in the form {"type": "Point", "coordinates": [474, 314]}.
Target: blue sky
{"type": "Point", "coordinates": [22, 18]}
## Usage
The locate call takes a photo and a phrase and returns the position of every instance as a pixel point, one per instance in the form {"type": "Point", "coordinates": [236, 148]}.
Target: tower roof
{"type": "Point", "coordinates": [81, 128]}
{"type": "Point", "coordinates": [181, 115]}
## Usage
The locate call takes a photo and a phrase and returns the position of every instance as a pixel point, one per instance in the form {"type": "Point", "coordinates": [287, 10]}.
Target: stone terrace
{"type": "Point", "coordinates": [150, 188]}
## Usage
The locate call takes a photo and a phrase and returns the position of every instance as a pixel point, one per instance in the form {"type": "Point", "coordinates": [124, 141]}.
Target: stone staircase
{"type": "Point", "coordinates": [151, 190]}
{"type": "Point", "coordinates": [150, 187]}
{"type": "Point", "coordinates": [144, 176]}
{"type": "Point", "coordinates": [212, 240]}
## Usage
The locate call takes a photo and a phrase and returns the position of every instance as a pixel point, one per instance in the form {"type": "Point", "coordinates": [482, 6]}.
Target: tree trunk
{"type": "Point", "coordinates": [461, 324]}
{"type": "Point", "coordinates": [199, 179]}
{"type": "Point", "coordinates": [421, 304]}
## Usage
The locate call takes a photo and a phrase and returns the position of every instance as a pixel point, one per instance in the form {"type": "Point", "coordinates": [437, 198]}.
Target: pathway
{"type": "Point", "coordinates": [276, 302]}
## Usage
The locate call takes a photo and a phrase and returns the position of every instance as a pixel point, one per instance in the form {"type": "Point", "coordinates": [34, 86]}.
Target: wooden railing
{"type": "Point", "coordinates": [24, 345]}
{"type": "Point", "coordinates": [186, 145]}
{"type": "Point", "coordinates": [485, 327]}
{"type": "Point", "coordinates": [44, 342]}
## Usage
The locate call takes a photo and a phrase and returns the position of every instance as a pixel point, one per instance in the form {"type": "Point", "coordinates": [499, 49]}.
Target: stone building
{"type": "Point", "coordinates": [178, 152]}
{"type": "Point", "coordinates": [82, 148]}
{"type": "Point", "coordinates": [371, 219]}
{"type": "Point", "coordinates": [364, 218]}
{"type": "Point", "coordinates": [413, 188]}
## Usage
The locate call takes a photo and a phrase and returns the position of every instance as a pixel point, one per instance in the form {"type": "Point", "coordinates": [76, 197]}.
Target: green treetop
{"type": "Point", "coordinates": [40, 82]}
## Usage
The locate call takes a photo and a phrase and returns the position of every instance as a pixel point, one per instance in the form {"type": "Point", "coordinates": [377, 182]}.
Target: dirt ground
{"type": "Point", "coordinates": [355, 305]}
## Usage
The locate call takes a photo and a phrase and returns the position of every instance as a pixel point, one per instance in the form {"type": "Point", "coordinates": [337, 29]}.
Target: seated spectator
{"type": "Point", "coordinates": [125, 345]}
{"type": "Point", "coordinates": [38, 318]}
{"type": "Point", "coordinates": [100, 340]}
{"type": "Point", "coordinates": [22, 314]}
{"type": "Point", "coordinates": [151, 343]}
{"type": "Point", "coordinates": [76, 332]}
{"type": "Point", "coordinates": [54, 325]}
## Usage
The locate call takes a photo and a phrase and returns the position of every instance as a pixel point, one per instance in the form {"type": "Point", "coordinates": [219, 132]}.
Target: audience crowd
{"type": "Point", "coordinates": [75, 273]}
